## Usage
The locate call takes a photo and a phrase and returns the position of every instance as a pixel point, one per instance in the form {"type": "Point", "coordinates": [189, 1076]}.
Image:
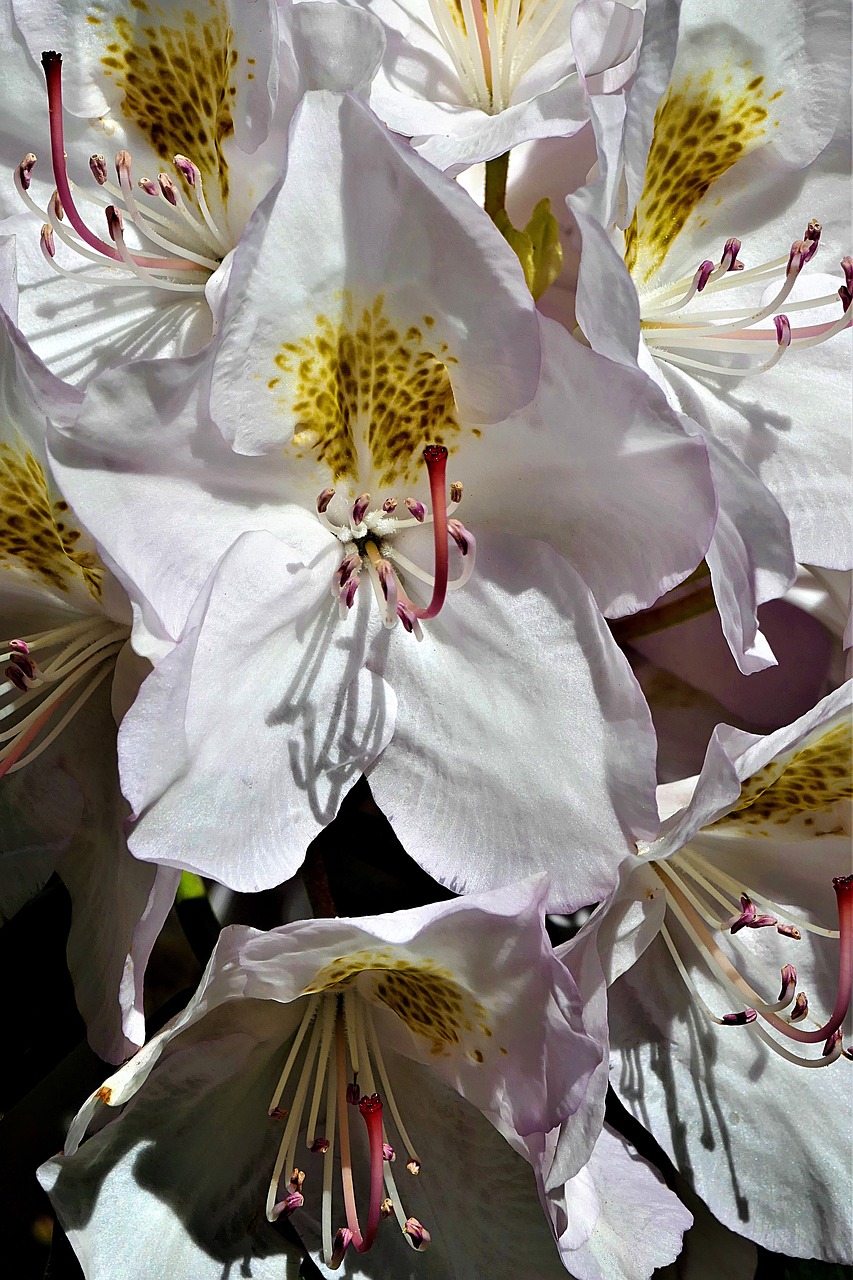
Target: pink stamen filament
{"type": "Point", "coordinates": [435, 457]}
{"type": "Point", "coordinates": [52, 63]}
{"type": "Point", "coordinates": [373, 1119]}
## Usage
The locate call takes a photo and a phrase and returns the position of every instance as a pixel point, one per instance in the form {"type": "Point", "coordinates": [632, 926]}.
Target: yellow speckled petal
{"type": "Point", "coordinates": [367, 394]}
{"type": "Point", "coordinates": [806, 791]}
{"type": "Point", "coordinates": [426, 997]}
{"type": "Point", "coordinates": [705, 124]}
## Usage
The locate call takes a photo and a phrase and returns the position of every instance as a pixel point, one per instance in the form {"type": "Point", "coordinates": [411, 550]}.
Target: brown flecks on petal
{"type": "Point", "coordinates": [427, 998]}
{"type": "Point", "coordinates": [815, 778]}
{"type": "Point", "coordinates": [367, 394]}
{"type": "Point", "coordinates": [36, 534]}
{"type": "Point", "coordinates": [702, 127]}
{"type": "Point", "coordinates": [176, 72]}
{"type": "Point", "coordinates": [105, 1094]}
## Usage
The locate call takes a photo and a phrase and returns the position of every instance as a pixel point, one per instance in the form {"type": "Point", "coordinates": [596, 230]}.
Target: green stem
{"type": "Point", "coordinates": [496, 172]}
{"type": "Point", "coordinates": [650, 621]}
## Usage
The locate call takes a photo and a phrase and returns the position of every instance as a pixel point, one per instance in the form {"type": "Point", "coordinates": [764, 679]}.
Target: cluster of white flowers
{"type": "Point", "coordinates": [314, 466]}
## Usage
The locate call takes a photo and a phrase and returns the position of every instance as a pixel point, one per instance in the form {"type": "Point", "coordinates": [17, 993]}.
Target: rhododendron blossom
{"type": "Point", "coordinates": [728, 949]}
{"type": "Point", "coordinates": [65, 624]}
{"type": "Point", "coordinates": [336, 418]}
{"type": "Point", "coordinates": [734, 317]}
{"type": "Point", "coordinates": [468, 81]}
{"type": "Point", "coordinates": [165, 126]}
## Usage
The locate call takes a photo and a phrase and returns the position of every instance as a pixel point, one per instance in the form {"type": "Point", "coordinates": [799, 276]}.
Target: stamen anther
{"type": "Point", "coordinates": [98, 166]}
{"type": "Point", "coordinates": [168, 188]}
{"type": "Point", "coordinates": [783, 331]}
{"type": "Point", "coordinates": [740, 1019]}
{"type": "Point", "coordinates": [388, 1153]}
{"type": "Point", "coordinates": [417, 1233]}
{"type": "Point", "coordinates": [456, 491]}
{"type": "Point", "coordinates": [25, 169]}
{"type": "Point", "coordinates": [359, 508]}
{"type": "Point", "coordinates": [48, 243]}
{"type": "Point", "coordinates": [387, 1207]}
{"type": "Point", "coordinates": [789, 931]}
{"type": "Point", "coordinates": [731, 249]}
{"type": "Point", "coordinates": [801, 1007]}
{"type": "Point", "coordinates": [319, 1146]}
{"type": "Point", "coordinates": [323, 499]}
{"type": "Point", "coordinates": [416, 509]}
{"type": "Point", "coordinates": [463, 538]}
{"type": "Point", "coordinates": [789, 982]}
{"type": "Point", "coordinates": [703, 275]}
{"type": "Point", "coordinates": [414, 1167]}
{"type": "Point", "coordinates": [187, 169]}
{"type": "Point", "coordinates": [389, 506]}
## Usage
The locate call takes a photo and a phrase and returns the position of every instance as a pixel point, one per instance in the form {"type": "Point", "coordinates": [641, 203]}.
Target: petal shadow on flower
{"type": "Point", "coordinates": [706, 1105]}
{"type": "Point", "coordinates": [327, 756]}
{"type": "Point", "coordinates": [86, 329]}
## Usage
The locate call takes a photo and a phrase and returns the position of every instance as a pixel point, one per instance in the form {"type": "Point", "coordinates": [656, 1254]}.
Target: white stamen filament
{"type": "Point", "coordinates": [737, 887]}
{"type": "Point", "coordinates": [492, 48]}
{"type": "Point", "coordinates": [723, 971]}
{"type": "Point", "coordinates": [287, 1147]}
{"type": "Point", "coordinates": [71, 654]}
{"type": "Point", "coordinates": [338, 1024]}
{"type": "Point", "coordinates": [151, 223]}
{"type": "Point", "coordinates": [668, 334]}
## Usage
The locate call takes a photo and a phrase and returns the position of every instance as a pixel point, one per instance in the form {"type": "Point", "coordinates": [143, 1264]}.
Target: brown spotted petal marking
{"type": "Point", "coordinates": [702, 128]}
{"type": "Point", "coordinates": [343, 1070]}
{"type": "Point", "coordinates": [368, 396]}
{"type": "Point", "coordinates": [802, 795]}
{"type": "Point", "coordinates": [48, 675]}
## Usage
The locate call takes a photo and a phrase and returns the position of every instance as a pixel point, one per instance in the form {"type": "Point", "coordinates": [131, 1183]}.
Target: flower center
{"type": "Point", "coordinates": [493, 43]}
{"type": "Point", "coordinates": [162, 218]}
{"type": "Point", "coordinates": [695, 891]}
{"type": "Point", "coordinates": [337, 1073]}
{"type": "Point", "coordinates": [42, 672]}
{"type": "Point", "coordinates": [691, 338]}
{"type": "Point", "coordinates": [368, 535]}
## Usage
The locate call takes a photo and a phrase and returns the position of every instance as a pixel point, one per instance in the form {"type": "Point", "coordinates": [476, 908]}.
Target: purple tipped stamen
{"type": "Point", "coordinates": [741, 1019]}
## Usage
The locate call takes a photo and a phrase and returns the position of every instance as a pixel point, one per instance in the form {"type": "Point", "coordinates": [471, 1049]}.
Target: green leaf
{"type": "Point", "coordinates": [191, 886]}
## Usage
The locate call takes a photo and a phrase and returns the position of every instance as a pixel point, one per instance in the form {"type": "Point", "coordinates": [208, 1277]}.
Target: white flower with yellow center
{"type": "Point", "coordinates": [158, 129]}
{"type": "Point", "coordinates": [64, 624]}
{"type": "Point", "coordinates": [375, 334]}
{"type": "Point", "coordinates": [728, 953]}
{"type": "Point", "coordinates": [360, 1077]}
{"type": "Point", "coordinates": [468, 80]}
{"type": "Point", "coordinates": [736, 191]}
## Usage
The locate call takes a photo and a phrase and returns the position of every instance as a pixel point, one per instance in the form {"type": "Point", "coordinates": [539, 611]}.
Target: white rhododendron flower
{"type": "Point", "coordinates": [158, 129]}
{"type": "Point", "coordinates": [64, 622]}
{"type": "Point", "coordinates": [362, 1077]}
{"type": "Point", "coordinates": [468, 81]}
{"type": "Point", "coordinates": [741, 198]}
{"type": "Point", "coordinates": [333, 619]}
{"type": "Point", "coordinates": [749, 879]}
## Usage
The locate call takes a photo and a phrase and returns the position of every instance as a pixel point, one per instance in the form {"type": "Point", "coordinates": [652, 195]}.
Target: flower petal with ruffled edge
{"type": "Point", "coordinates": [739, 886]}
{"type": "Point", "coordinates": [191, 103]}
{"type": "Point", "coordinates": [468, 84]}
{"type": "Point", "coordinates": [167, 498]}
{"type": "Point", "coordinates": [714, 163]}
{"type": "Point", "coordinates": [437, 1026]}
